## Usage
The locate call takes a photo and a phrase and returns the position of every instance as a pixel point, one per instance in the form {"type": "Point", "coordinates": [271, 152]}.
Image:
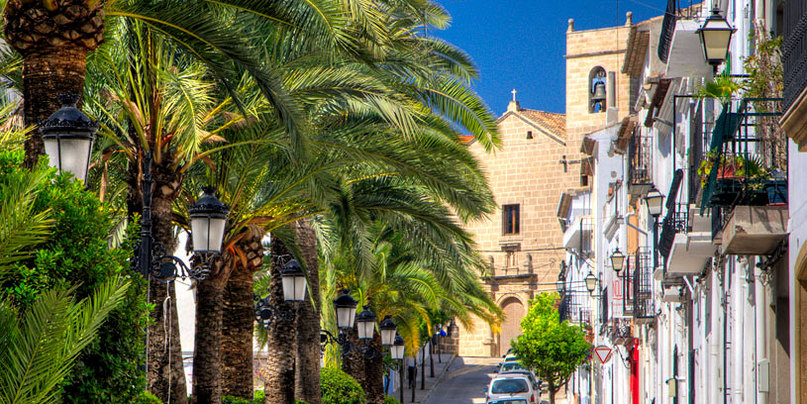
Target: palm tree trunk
{"type": "Point", "coordinates": [308, 321]}
{"type": "Point", "coordinates": [353, 362]}
{"type": "Point", "coordinates": [44, 76]}
{"type": "Point", "coordinates": [374, 373]}
{"type": "Point", "coordinates": [207, 336]}
{"type": "Point", "coordinates": [281, 337]}
{"type": "Point", "coordinates": [237, 322]}
{"type": "Point", "coordinates": [166, 373]}
{"type": "Point", "coordinates": [54, 40]}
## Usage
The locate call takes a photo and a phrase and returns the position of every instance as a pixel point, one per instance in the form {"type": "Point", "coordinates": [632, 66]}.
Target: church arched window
{"type": "Point", "coordinates": [596, 91]}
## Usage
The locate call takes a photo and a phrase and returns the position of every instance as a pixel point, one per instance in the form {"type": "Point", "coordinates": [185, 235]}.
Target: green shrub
{"type": "Point", "coordinates": [234, 400]}
{"type": "Point", "coordinates": [391, 400]}
{"type": "Point", "coordinates": [339, 388]}
{"type": "Point", "coordinates": [260, 397]}
{"type": "Point", "coordinates": [77, 254]}
{"type": "Point", "coordinates": [147, 398]}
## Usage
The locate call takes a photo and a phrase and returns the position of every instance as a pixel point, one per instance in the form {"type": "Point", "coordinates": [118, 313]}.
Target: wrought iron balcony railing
{"type": "Point", "coordinates": [794, 50]}
{"type": "Point", "coordinates": [575, 307]}
{"type": "Point", "coordinates": [640, 170]}
{"type": "Point", "coordinates": [644, 307]}
{"type": "Point", "coordinates": [747, 160]}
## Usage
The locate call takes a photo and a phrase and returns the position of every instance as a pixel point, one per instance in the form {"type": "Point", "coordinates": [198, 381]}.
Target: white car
{"type": "Point", "coordinates": [513, 386]}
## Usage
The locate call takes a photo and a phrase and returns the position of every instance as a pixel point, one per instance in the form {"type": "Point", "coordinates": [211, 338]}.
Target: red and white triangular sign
{"type": "Point", "coordinates": [603, 353]}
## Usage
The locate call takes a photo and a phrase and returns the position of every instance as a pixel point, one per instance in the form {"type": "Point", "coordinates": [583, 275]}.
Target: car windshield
{"type": "Point", "coordinates": [510, 366]}
{"type": "Point", "coordinates": [506, 386]}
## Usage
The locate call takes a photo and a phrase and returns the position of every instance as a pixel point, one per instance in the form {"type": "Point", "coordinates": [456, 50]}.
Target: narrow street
{"type": "Point", "coordinates": [466, 382]}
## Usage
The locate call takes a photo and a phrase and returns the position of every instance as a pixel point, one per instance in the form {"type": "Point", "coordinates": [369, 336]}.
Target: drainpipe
{"type": "Point", "coordinates": [738, 332]}
{"type": "Point", "coordinates": [629, 224]}
{"type": "Point", "coordinates": [760, 327]}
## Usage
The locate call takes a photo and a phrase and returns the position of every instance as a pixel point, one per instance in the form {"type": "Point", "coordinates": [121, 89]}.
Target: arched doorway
{"type": "Point", "coordinates": [511, 328]}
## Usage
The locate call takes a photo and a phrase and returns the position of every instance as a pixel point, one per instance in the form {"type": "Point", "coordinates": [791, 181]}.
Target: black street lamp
{"type": "Point", "coordinates": [388, 329]}
{"type": "Point", "coordinates": [715, 36]}
{"type": "Point", "coordinates": [345, 310]}
{"type": "Point", "coordinates": [294, 281]}
{"type": "Point", "coordinates": [366, 323]}
{"type": "Point", "coordinates": [617, 260]}
{"type": "Point", "coordinates": [397, 354]}
{"type": "Point", "coordinates": [591, 282]}
{"type": "Point", "coordinates": [561, 283]}
{"type": "Point", "coordinates": [68, 135]}
{"type": "Point", "coordinates": [346, 317]}
{"type": "Point", "coordinates": [294, 287]}
{"type": "Point", "coordinates": [654, 200]}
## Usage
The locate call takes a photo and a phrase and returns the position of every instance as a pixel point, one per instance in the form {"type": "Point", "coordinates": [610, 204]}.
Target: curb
{"type": "Point", "coordinates": [439, 379]}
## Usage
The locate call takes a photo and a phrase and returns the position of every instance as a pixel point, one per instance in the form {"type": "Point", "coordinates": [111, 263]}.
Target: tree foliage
{"type": "Point", "coordinates": [339, 388]}
{"type": "Point", "coordinates": [550, 348]}
{"type": "Point", "coordinates": [57, 237]}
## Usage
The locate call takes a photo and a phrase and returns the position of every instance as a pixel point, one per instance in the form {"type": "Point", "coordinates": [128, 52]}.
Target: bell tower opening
{"type": "Point", "coordinates": [596, 94]}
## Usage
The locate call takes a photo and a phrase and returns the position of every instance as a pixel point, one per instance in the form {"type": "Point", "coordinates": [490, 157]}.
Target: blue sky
{"type": "Point", "coordinates": [520, 43]}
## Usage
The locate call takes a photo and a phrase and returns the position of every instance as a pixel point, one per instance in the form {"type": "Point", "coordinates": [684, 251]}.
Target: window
{"type": "Point", "coordinates": [509, 386]}
{"type": "Point", "coordinates": [511, 219]}
{"type": "Point", "coordinates": [529, 134]}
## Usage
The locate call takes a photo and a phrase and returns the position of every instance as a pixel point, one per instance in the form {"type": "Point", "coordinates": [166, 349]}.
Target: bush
{"type": "Point", "coordinates": [234, 400]}
{"type": "Point", "coordinates": [147, 398]}
{"type": "Point", "coordinates": [260, 397]}
{"type": "Point", "coordinates": [78, 254]}
{"type": "Point", "coordinates": [339, 388]}
{"type": "Point", "coordinates": [391, 400]}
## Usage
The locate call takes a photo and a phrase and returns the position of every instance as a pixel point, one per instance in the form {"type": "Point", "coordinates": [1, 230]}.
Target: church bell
{"type": "Point", "coordinates": [599, 92]}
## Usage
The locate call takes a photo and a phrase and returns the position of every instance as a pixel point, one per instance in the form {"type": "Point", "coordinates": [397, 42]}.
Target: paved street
{"type": "Point", "coordinates": [465, 382]}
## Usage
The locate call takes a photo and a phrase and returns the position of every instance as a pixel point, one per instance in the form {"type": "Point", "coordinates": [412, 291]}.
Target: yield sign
{"type": "Point", "coordinates": [603, 353]}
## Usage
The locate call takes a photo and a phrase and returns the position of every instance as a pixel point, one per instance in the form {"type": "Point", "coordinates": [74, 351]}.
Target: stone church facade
{"type": "Point", "coordinates": [540, 158]}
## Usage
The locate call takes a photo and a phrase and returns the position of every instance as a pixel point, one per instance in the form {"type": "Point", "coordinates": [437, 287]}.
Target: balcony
{"type": "Point", "coordinates": [693, 245]}
{"type": "Point", "coordinates": [679, 45]}
{"type": "Point", "coordinates": [644, 308]}
{"type": "Point", "coordinates": [640, 170]}
{"type": "Point", "coordinates": [755, 230]}
{"type": "Point", "coordinates": [794, 58]}
{"type": "Point", "coordinates": [575, 307]}
{"type": "Point", "coordinates": [745, 172]}
{"type": "Point", "coordinates": [577, 237]}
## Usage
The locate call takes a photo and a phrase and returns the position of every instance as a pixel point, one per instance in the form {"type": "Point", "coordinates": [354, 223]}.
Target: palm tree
{"type": "Point", "coordinates": [401, 253]}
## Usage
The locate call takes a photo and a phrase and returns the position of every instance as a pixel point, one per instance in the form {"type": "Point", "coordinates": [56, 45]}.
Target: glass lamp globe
{"type": "Point", "coordinates": [388, 329]}
{"type": "Point", "coordinates": [208, 219]}
{"type": "Point", "coordinates": [345, 310]}
{"type": "Point", "coordinates": [68, 135]}
{"type": "Point", "coordinates": [366, 322]}
{"type": "Point", "coordinates": [294, 282]}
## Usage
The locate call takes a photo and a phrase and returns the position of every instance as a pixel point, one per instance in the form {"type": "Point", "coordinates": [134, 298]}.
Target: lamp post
{"type": "Point", "coordinates": [654, 200]}
{"type": "Point", "coordinates": [345, 319]}
{"type": "Point", "coordinates": [397, 354]}
{"type": "Point", "coordinates": [294, 286]}
{"type": "Point", "coordinates": [68, 135]}
{"type": "Point", "coordinates": [617, 260]}
{"type": "Point", "coordinates": [715, 35]}
{"type": "Point", "coordinates": [591, 282]}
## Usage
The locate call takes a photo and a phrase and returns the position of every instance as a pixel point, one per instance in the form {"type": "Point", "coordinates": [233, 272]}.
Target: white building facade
{"type": "Point", "coordinates": [701, 311]}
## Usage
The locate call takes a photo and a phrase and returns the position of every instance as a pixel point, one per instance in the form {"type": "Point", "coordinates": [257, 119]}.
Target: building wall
{"type": "Point", "coordinates": [586, 50]}
{"type": "Point", "coordinates": [527, 172]}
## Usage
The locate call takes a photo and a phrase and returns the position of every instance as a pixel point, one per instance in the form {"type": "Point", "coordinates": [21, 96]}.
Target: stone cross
{"type": "Point", "coordinates": [514, 94]}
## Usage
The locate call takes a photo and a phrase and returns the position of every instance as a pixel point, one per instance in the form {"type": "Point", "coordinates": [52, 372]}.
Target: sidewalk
{"type": "Point", "coordinates": [442, 365]}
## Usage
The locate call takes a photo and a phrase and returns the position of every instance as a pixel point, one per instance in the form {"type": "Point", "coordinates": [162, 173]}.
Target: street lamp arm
{"type": "Point", "coordinates": [327, 338]}
{"type": "Point", "coordinates": [267, 313]}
